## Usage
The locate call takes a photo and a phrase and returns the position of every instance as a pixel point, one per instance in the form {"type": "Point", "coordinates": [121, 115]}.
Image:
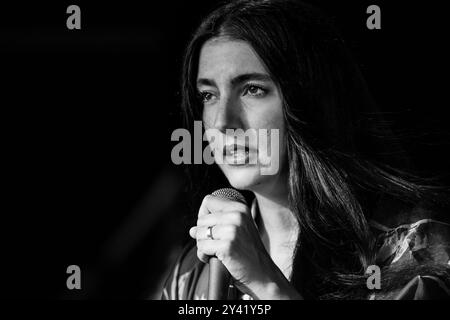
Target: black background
{"type": "Point", "coordinates": [87, 115]}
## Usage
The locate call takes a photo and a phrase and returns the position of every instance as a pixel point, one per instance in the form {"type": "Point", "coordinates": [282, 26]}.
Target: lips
{"type": "Point", "coordinates": [238, 155]}
{"type": "Point", "coordinates": [234, 150]}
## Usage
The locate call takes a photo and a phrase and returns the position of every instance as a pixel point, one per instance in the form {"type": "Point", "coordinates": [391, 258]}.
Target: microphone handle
{"type": "Point", "coordinates": [219, 280]}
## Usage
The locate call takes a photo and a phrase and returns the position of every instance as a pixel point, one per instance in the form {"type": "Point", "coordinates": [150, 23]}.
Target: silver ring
{"type": "Point", "coordinates": [209, 234]}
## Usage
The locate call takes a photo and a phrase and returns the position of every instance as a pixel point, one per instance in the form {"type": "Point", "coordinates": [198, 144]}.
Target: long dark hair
{"type": "Point", "coordinates": [341, 153]}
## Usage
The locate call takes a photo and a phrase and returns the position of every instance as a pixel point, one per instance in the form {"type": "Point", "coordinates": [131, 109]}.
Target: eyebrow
{"type": "Point", "coordinates": [238, 79]}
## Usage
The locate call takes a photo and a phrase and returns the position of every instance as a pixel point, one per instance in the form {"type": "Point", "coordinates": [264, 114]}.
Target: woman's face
{"type": "Point", "coordinates": [238, 93]}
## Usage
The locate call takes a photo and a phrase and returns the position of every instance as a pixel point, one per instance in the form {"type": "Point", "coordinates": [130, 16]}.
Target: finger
{"type": "Point", "coordinates": [212, 219]}
{"type": "Point", "coordinates": [203, 210]}
{"type": "Point", "coordinates": [193, 232]}
{"type": "Point", "coordinates": [212, 204]}
{"type": "Point", "coordinates": [202, 257]}
{"type": "Point", "coordinates": [212, 248]}
{"type": "Point", "coordinates": [219, 204]}
{"type": "Point", "coordinates": [219, 232]}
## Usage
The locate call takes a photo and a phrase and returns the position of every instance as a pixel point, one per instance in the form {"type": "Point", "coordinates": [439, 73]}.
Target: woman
{"type": "Point", "coordinates": [336, 206]}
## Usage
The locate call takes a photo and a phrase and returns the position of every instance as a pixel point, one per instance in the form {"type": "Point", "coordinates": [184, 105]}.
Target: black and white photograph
{"type": "Point", "coordinates": [225, 150]}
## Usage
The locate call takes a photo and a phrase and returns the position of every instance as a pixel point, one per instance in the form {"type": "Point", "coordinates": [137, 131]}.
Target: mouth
{"type": "Point", "coordinates": [235, 154]}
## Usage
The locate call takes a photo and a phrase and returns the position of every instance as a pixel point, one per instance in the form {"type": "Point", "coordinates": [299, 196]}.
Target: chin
{"type": "Point", "coordinates": [243, 178]}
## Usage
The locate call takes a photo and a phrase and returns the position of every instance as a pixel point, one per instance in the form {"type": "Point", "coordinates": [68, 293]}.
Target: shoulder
{"type": "Point", "coordinates": [426, 240]}
{"type": "Point", "coordinates": [414, 255]}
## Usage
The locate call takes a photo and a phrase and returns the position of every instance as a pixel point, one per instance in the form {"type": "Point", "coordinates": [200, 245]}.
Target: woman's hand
{"type": "Point", "coordinates": [237, 244]}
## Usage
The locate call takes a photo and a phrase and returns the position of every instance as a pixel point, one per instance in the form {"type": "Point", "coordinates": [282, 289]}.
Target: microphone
{"type": "Point", "coordinates": [219, 277]}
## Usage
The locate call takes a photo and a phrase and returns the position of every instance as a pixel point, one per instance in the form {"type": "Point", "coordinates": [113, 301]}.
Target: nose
{"type": "Point", "coordinates": [228, 114]}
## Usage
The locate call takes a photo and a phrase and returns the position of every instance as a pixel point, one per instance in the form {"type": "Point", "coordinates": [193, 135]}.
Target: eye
{"type": "Point", "coordinates": [206, 96]}
{"type": "Point", "coordinates": [254, 90]}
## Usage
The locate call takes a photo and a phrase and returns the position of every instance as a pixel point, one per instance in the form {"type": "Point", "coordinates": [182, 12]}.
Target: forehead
{"type": "Point", "coordinates": [221, 57]}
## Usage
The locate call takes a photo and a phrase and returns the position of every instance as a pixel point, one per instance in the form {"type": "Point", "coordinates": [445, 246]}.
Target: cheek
{"type": "Point", "coordinates": [267, 113]}
{"type": "Point", "coordinates": [272, 150]}
{"type": "Point", "coordinates": [267, 120]}
{"type": "Point", "coordinates": [207, 119]}
{"type": "Point", "coordinates": [272, 145]}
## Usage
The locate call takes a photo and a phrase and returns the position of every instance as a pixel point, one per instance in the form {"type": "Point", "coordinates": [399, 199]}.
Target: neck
{"type": "Point", "coordinates": [278, 228]}
{"type": "Point", "coordinates": [277, 224]}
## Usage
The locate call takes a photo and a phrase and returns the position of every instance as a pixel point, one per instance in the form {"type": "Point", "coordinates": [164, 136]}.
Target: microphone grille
{"type": "Point", "coordinates": [230, 194]}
